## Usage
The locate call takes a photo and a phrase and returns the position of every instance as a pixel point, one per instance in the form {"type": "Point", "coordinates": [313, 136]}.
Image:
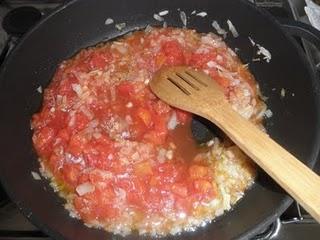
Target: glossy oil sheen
{"type": "Point", "coordinates": [80, 24]}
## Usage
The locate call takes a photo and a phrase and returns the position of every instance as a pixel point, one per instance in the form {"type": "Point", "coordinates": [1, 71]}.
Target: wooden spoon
{"type": "Point", "coordinates": [196, 92]}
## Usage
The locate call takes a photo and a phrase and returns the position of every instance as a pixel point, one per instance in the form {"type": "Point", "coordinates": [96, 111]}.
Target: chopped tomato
{"type": "Point", "coordinates": [143, 169]}
{"type": "Point", "coordinates": [71, 173]}
{"type": "Point", "coordinates": [180, 189]}
{"type": "Point", "coordinates": [125, 89]}
{"type": "Point", "coordinates": [145, 116]}
{"type": "Point", "coordinates": [64, 135]}
{"type": "Point", "coordinates": [76, 144]}
{"type": "Point", "coordinates": [197, 171]}
{"type": "Point", "coordinates": [173, 53]}
{"type": "Point", "coordinates": [97, 61]}
{"type": "Point", "coordinates": [204, 187]}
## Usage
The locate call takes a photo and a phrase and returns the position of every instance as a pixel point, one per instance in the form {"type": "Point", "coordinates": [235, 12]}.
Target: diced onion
{"type": "Point", "coordinates": [157, 17]}
{"type": "Point", "coordinates": [173, 121]}
{"type": "Point", "coordinates": [77, 88]}
{"type": "Point", "coordinates": [164, 25]}
{"type": "Point", "coordinates": [163, 13]}
{"type": "Point", "coordinates": [219, 30]}
{"type": "Point", "coordinates": [148, 28]}
{"type": "Point", "coordinates": [162, 155]}
{"type": "Point", "coordinates": [120, 26]}
{"type": "Point", "coordinates": [202, 14]}
{"type": "Point", "coordinates": [120, 193]}
{"type": "Point", "coordinates": [85, 188]}
{"type": "Point", "coordinates": [169, 154]}
{"type": "Point", "coordinates": [232, 29]}
{"type": "Point", "coordinates": [39, 89]}
{"type": "Point", "coordinates": [268, 113]}
{"type": "Point", "coordinates": [35, 175]}
{"type": "Point", "coordinates": [108, 21]}
{"type": "Point", "coordinates": [265, 52]}
{"type": "Point", "coordinates": [251, 41]}
{"type": "Point", "coordinates": [183, 18]}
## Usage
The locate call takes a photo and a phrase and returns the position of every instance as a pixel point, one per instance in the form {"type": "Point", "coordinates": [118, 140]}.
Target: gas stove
{"type": "Point", "coordinates": [294, 224]}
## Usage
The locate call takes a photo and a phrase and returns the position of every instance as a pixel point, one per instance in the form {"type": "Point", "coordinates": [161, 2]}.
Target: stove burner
{"type": "Point", "coordinates": [19, 20]}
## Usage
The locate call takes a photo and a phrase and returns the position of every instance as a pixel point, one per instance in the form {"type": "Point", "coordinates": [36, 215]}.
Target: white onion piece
{"type": "Point", "coordinates": [264, 52]}
{"type": "Point", "coordinates": [219, 30]}
{"type": "Point", "coordinates": [232, 29]}
{"type": "Point", "coordinates": [121, 49]}
{"type": "Point", "coordinates": [268, 113]}
{"type": "Point", "coordinates": [120, 193]}
{"type": "Point", "coordinates": [201, 14]}
{"type": "Point", "coordinates": [148, 28]}
{"type": "Point", "coordinates": [39, 89]}
{"type": "Point", "coordinates": [173, 121]}
{"type": "Point", "coordinates": [251, 41]}
{"type": "Point", "coordinates": [84, 188]}
{"type": "Point", "coordinates": [108, 21]}
{"type": "Point", "coordinates": [164, 25]}
{"type": "Point", "coordinates": [120, 26]}
{"type": "Point", "coordinates": [77, 89]}
{"type": "Point", "coordinates": [157, 17]}
{"type": "Point", "coordinates": [183, 18]}
{"type": "Point", "coordinates": [163, 13]}
{"type": "Point", "coordinates": [162, 155]}
{"type": "Point", "coordinates": [35, 175]}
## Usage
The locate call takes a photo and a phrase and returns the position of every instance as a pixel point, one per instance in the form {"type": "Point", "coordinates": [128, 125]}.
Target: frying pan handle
{"type": "Point", "coordinates": [302, 30]}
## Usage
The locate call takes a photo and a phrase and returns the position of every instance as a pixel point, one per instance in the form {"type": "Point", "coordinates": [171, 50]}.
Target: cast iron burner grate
{"type": "Point", "coordinates": [294, 224]}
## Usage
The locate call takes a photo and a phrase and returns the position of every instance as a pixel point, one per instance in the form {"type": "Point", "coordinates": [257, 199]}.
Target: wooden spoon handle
{"type": "Point", "coordinates": [291, 174]}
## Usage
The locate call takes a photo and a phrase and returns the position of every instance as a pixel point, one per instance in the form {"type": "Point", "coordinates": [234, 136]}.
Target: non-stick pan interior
{"type": "Point", "coordinates": [81, 24]}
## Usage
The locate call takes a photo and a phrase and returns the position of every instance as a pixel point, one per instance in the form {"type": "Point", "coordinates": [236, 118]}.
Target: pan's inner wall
{"type": "Point", "coordinates": [81, 24]}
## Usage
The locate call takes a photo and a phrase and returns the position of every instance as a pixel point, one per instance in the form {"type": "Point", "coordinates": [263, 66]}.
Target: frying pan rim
{"type": "Point", "coordinates": [277, 211]}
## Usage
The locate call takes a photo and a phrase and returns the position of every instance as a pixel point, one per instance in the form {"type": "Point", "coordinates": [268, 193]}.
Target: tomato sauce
{"type": "Point", "coordinates": [124, 157]}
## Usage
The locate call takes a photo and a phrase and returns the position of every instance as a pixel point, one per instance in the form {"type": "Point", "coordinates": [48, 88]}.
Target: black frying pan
{"type": "Point", "coordinates": [295, 122]}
